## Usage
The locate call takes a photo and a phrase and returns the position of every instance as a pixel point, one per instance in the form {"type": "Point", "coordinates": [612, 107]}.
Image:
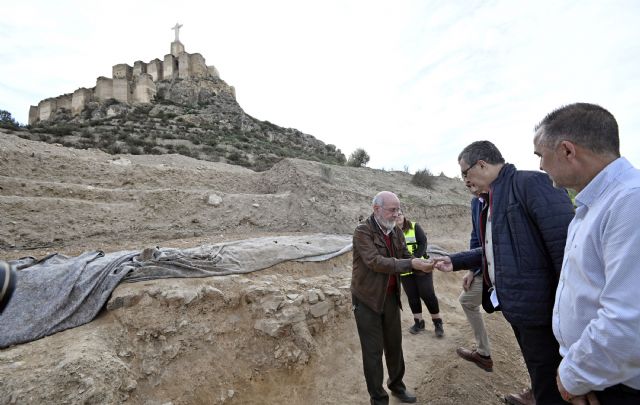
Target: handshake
{"type": "Point", "coordinates": [427, 265]}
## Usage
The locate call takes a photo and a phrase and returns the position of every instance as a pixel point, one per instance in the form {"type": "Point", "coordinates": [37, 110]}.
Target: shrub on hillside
{"type": "Point", "coordinates": [183, 150]}
{"type": "Point", "coordinates": [61, 129]}
{"type": "Point", "coordinates": [423, 178]}
{"type": "Point", "coordinates": [359, 158]}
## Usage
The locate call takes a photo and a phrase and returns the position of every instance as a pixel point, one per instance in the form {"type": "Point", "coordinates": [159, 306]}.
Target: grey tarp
{"type": "Point", "coordinates": [60, 292]}
{"type": "Point", "coordinates": [243, 256]}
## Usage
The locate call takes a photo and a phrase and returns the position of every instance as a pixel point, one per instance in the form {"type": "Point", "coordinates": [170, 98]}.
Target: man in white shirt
{"type": "Point", "coordinates": [596, 316]}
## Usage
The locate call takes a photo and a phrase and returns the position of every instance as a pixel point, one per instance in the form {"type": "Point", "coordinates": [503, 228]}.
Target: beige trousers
{"type": "Point", "coordinates": [471, 302]}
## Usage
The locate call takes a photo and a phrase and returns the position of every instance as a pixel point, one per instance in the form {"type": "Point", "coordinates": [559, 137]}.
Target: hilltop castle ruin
{"type": "Point", "coordinates": [128, 84]}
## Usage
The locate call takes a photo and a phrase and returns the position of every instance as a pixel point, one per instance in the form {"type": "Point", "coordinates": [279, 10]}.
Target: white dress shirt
{"type": "Point", "coordinates": [596, 317]}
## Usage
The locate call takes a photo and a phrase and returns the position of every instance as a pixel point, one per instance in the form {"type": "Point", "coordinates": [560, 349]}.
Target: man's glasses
{"type": "Point", "coordinates": [464, 172]}
{"type": "Point", "coordinates": [393, 210]}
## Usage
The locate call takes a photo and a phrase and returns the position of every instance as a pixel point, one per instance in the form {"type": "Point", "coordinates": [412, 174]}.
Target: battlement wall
{"type": "Point", "coordinates": [122, 71]}
{"type": "Point", "coordinates": [129, 84]}
{"type": "Point", "coordinates": [170, 67]}
{"type": "Point", "coordinates": [198, 66]}
{"type": "Point", "coordinates": [144, 89]}
{"type": "Point", "coordinates": [80, 99]}
{"type": "Point", "coordinates": [154, 68]}
{"type": "Point", "coordinates": [139, 67]}
{"type": "Point", "coordinates": [122, 90]}
{"type": "Point", "coordinates": [104, 88]}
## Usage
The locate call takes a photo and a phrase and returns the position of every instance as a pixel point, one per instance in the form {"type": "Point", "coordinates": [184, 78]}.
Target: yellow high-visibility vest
{"type": "Point", "coordinates": [412, 244]}
{"type": "Point", "coordinates": [410, 238]}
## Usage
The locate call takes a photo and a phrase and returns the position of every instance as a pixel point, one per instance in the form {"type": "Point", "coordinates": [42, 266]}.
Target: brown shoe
{"type": "Point", "coordinates": [473, 356]}
{"type": "Point", "coordinates": [524, 398]}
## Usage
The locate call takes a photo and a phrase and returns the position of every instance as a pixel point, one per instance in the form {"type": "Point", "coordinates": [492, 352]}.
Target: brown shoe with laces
{"type": "Point", "coordinates": [524, 398]}
{"type": "Point", "coordinates": [484, 362]}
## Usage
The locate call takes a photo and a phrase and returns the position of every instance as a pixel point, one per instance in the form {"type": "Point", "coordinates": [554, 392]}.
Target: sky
{"type": "Point", "coordinates": [410, 82]}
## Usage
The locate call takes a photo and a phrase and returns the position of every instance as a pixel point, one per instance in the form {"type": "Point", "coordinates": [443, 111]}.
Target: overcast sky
{"type": "Point", "coordinates": [411, 82]}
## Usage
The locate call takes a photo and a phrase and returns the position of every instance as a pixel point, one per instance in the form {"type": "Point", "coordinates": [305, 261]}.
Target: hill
{"type": "Point", "coordinates": [197, 117]}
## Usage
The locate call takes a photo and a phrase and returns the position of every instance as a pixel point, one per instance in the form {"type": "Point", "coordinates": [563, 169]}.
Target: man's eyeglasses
{"type": "Point", "coordinates": [464, 172]}
{"type": "Point", "coordinates": [393, 210]}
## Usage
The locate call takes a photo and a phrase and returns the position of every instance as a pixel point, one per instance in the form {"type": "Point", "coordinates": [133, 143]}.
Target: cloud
{"type": "Point", "coordinates": [411, 82]}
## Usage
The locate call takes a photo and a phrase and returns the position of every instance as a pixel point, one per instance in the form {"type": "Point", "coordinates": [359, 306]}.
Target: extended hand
{"type": "Point", "coordinates": [443, 263]}
{"type": "Point", "coordinates": [423, 265]}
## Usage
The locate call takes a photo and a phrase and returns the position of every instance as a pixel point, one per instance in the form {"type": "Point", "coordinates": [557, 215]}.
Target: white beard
{"type": "Point", "coordinates": [388, 225]}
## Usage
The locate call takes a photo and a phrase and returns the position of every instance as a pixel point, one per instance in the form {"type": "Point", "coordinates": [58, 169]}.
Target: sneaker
{"type": "Point", "coordinates": [524, 398]}
{"type": "Point", "coordinates": [484, 362]}
{"type": "Point", "coordinates": [417, 327]}
{"type": "Point", "coordinates": [437, 323]}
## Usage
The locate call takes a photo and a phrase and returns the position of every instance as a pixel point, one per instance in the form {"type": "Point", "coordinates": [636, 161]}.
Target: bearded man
{"type": "Point", "coordinates": [380, 255]}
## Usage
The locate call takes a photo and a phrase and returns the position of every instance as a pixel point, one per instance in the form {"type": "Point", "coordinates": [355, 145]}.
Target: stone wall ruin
{"type": "Point", "coordinates": [129, 84]}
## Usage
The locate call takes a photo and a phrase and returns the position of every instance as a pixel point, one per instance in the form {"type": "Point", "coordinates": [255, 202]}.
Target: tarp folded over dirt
{"type": "Point", "coordinates": [243, 256]}
{"type": "Point", "coordinates": [60, 292]}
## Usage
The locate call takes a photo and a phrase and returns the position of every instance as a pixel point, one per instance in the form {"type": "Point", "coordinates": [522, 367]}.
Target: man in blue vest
{"type": "Point", "coordinates": [523, 233]}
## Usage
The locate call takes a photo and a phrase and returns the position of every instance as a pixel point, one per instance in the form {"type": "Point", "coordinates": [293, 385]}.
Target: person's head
{"type": "Point", "coordinates": [402, 222]}
{"type": "Point", "coordinates": [480, 164]}
{"type": "Point", "coordinates": [386, 208]}
{"type": "Point", "coordinates": [575, 142]}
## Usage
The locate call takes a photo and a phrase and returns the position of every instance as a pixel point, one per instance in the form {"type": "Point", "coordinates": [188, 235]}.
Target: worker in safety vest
{"type": "Point", "coordinates": [419, 285]}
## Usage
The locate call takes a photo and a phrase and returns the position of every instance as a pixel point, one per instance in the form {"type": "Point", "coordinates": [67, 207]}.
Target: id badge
{"type": "Point", "coordinates": [494, 297]}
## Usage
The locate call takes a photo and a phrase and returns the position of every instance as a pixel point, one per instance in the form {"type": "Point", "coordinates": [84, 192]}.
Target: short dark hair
{"type": "Point", "coordinates": [481, 150]}
{"type": "Point", "coordinates": [587, 125]}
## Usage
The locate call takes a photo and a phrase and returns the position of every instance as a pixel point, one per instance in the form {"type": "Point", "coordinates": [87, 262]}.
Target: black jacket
{"type": "Point", "coordinates": [529, 225]}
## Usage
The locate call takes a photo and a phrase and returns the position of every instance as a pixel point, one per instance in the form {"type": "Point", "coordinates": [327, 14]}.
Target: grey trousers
{"type": "Point", "coordinates": [471, 302]}
{"type": "Point", "coordinates": [381, 333]}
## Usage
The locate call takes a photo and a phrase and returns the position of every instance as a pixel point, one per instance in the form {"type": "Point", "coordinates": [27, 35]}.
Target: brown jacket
{"type": "Point", "coordinates": [373, 264]}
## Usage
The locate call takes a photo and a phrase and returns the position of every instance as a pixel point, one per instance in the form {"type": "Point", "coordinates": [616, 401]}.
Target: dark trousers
{"type": "Point", "coordinates": [380, 333]}
{"type": "Point", "coordinates": [541, 355]}
{"type": "Point", "coordinates": [618, 395]}
{"type": "Point", "coordinates": [418, 286]}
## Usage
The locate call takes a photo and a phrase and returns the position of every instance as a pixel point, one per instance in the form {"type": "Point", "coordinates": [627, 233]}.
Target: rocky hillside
{"type": "Point", "coordinates": [193, 117]}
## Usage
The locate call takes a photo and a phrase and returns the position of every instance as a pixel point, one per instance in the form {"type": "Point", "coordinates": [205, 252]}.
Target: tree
{"type": "Point", "coordinates": [7, 121]}
{"type": "Point", "coordinates": [423, 178]}
{"type": "Point", "coordinates": [359, 158]}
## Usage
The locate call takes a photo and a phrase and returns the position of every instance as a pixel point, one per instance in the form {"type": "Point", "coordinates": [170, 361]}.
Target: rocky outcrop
{"type": "Point", "coordinates": [181, 106]}
{"type": "Point", "coordinates": [196, 117]}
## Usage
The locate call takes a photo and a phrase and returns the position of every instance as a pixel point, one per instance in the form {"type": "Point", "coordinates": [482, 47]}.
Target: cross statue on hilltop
{"type": "Point", "coordinates": [177, 28]}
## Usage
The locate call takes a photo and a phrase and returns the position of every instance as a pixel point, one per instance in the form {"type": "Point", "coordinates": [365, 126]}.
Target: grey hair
{"type": "Point", "coordinates": [587, 125]}
{"type": "Point", "coordinates": [379, 198]}
{"type": "Point", "coordinates": [481, 150]}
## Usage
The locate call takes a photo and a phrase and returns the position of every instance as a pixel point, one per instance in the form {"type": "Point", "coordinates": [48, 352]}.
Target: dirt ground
{"type": "Point", "coordinates": [162, 349]}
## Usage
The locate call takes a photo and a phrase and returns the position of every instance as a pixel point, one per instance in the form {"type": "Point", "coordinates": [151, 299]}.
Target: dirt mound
{"type": "Point", "coordinates": [285, 334]}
